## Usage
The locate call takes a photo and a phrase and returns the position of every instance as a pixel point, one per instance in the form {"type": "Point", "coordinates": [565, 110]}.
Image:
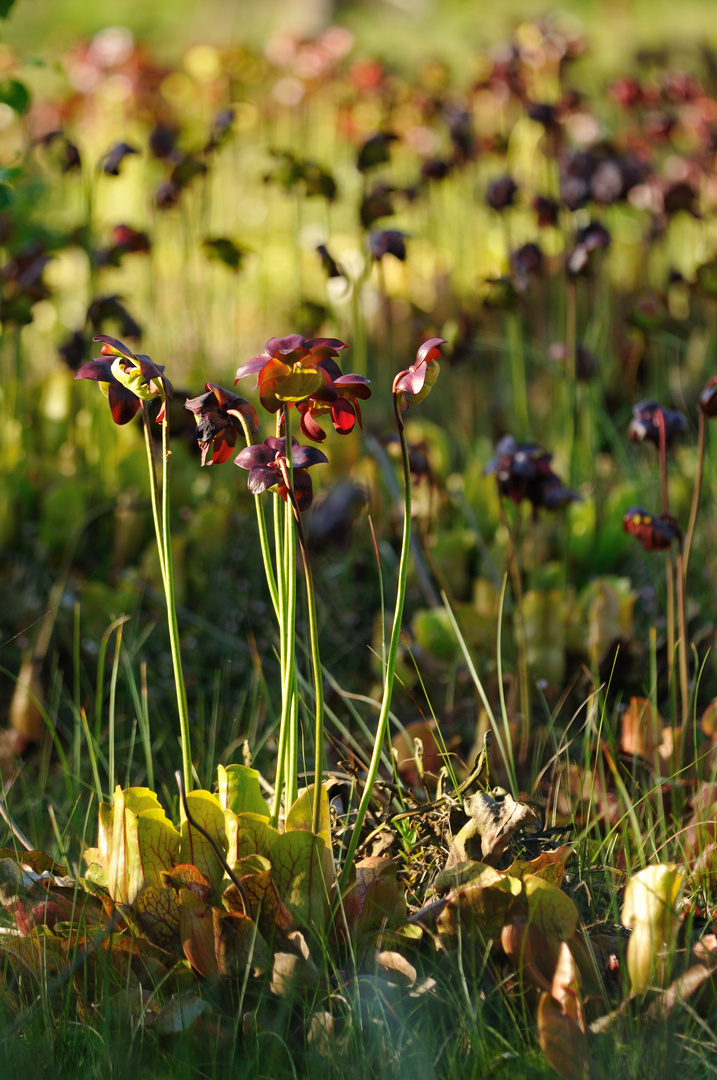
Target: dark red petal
{"type": "Point", "coordinates": [343, 417]}
{"type": "Point", "coordinates": [116, 345]}
{"type": "Point", "coordinates": [429, 350]}
{"type": "Point", "coordinates": [305, 456]}
{"type": "Point", "coordinates": [252, 456]}
{"type": "Point", "coordinates": [330, 365]}
{"type": "Point", "coordinates": [310, 428]}
{"type": "Point", "coordinates": [303, 489]}
{"type": "Point", "coordinates": [223, 446]}
{"type": "Point", "coordinates": [123, 404]}
{"type": "Point", "coordinates": [354, 386]}
{"type": "Point", "coordinates": [261, 478]}
{"type": "Point", "coordinates": [412, 382]}
{"type": "Point", "coordinates": [100, 370]}
{"type": "Point", "coordinates": [328, 342]}
{"type": "Point", "coordinates": [251, 367]}
{"type": "Point", "coordinates": [286, 344]}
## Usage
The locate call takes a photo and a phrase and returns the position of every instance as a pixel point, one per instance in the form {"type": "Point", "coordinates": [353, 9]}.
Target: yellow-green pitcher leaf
{"type": "Point", "coordinates": [254, 836]}
{"type": "Point", "coordinates": [303, 872]}
{"type": "Point", "coordinates": [301, 814]}
{"type": "Point", "coordinates": [195, 848]}
{"type": "Point", "coordinates": [240, 791]}
{"type": "Point", "coordinates": [550, 910]}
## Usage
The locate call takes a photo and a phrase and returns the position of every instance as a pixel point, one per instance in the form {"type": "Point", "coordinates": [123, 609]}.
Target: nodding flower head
{"type": "Point", "coordinates": [217, 414]}
{"type": "Point", "coordinates": [523, 473]}
{"type": "Point", "coordinates": [655, 532]}
{"type": "Point", "coordinates": [415, 383]}
{"type": "Point", "coordinates": [268, 468]}
{"type": "Point", "coordinates": [126, 380]}
{"type": "Point", "coordinates": [648, 416]}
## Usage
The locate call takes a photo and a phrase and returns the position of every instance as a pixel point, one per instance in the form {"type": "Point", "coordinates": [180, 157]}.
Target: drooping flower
{"type": "Point", "coordinates": [289, 370]}
{"type": "Point", "coordinates": [344, 410]}
{"type": "Point", "coordinates": [268, 468]}
{"type": "Point", "coordinates": [655, 532]}
{"type": "Point", "coordinates": [415, 383]}
{"type": "Point", "coordinates": [645, 425]}
{"type": "Point", "coordinates": [523, 472]}
{"type": "Point", "coordinates": [127, 380]}
{"type": "Point", "coordinates": [217, 415]}
{"type": "Point", "coordinates": [708, 397]}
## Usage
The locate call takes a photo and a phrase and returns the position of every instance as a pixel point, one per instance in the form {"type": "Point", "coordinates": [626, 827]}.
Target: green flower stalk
{"type": "Point", "coordinates": [130, 382]}
{"type": "Point", "coordinates": [409, 388]}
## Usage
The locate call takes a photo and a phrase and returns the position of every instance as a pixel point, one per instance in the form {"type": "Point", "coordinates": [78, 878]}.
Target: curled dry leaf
{"type": "Point", "coordinates": [562, 1040]}
{"type": "Point", "coordinates": [396, 968]}
{"type": "Point", "coordinates": [549, 865]}
{"type": "Point", "coordinates": [641, 729]}
{"type": "Point", "coordinates": [491, 827]}
{"type": "Point", "coordinates": [292, 973]}
{"type": "Point", "coordinates": [180, 1012]}
{"type": "Point", "coordinates": [375, 896]}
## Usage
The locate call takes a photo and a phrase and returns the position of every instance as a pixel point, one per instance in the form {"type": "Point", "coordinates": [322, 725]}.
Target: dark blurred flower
{"type": "Point", "coordinates": [224, 250]}
{"type": "Point", "coordinates": [680, 196]}
{"type": "Point", "coordinates": [163, 141]}
{"type": "Point", "coordinates": [645, 426]}
{"type": "Point", "coordinates": [523, 472]}
{"type": "Point", "coordinates": [435, 169]}
{"type": "Point", "coordinates": [544, 114]}
{"type": "Point", "coordinates": [708, 397]}
{"type": "Point", "coordinates": [127, 241]}
{"type": "Point", "coordinates": [376, 204]}
{"type": "Point", "coordinates": [113, 159]}
{"type": "Point", "coordinates": [415, 383]}
{"type": "Point", "coordinates": [290, 370]}
{"type": "Point", "coordinates": [331, 522]}
{"type": "Point", "coordinates": [593, 237]}
{"type": "Point", "coordinates": [221, 129]}
{"type": "Point", "coordinates": [127, 380]}
{"type": "Point", "coordinates": [65, 152]}
{"type": "Point", "coordinates": [548, 211]}
{"type": "Point", "coordinates": [217, 415]}
{"type": "Point", "coordinates": [73, 349]}
{"type": "Point", "coordinates": [501, 193]}
{"type": "Point", "coordinates": [375, 151]}
{"type": "Point", "coordinates": [329, 264]}
{"type": "Point", "coordinates": [292, 173]}
{"type": "Point", "coordinates": [460, 128]}
{"type": "Point", "coordinates": [105, 308]}
{"type": "Point", "coordinates": [268, 468]}
{"type": "Point", "coordinates": [387, 242]}
{"type": "Point", "coordinates": [654, 531]}
{"type": "Point", "coordinates": [526, 261]}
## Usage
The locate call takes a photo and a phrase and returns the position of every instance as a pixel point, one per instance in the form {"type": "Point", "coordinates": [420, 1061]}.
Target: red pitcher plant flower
{"type": "Point", "coordinates": [126, 379]}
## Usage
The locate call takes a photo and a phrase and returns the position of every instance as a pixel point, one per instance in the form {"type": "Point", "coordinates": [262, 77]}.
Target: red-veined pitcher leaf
{"type": "Point", "coordinates": [302, 869]}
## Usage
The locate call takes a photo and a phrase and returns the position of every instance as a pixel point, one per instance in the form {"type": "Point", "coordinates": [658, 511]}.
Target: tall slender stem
{"type": "Point", "coordinates": [160, 516]}
{"type": "Point", "coordinates": [392, 652]}
{"type": "Point", "coordinates": [689, 535]}
{"type": "Point", "coordinates": [179, 683]}
{"type": "Point", "coordinates": [315, 660]}
{"type": "Point", "coordinates": [670, 563]}
{"type": "Point", "coordinates": [261, 525]}
{"type": "Point", "coordinates": [285, 540]}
